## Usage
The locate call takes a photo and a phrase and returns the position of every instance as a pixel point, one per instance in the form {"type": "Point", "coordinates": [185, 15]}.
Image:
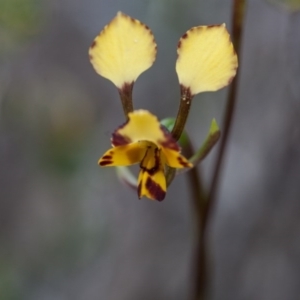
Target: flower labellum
{"type": "Point", "coordinates": [142, 139]}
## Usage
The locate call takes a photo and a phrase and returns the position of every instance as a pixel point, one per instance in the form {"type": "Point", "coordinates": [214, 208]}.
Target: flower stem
{"type": "Point", "coordinates": [126, 98]}
{"type": "Point", "coordinates": [237, 30]}
{"type": "Point", "coordinates": [202, 274]}
{"type": "Point", "coordinates": [183, 112]}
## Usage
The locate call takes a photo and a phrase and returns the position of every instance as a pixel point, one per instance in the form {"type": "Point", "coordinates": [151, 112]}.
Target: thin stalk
{"type": "Point", "coordinates": [183, 112]}
{"type": "Point", "coordinates": [126, 98]}
{"type": "Point", "coordinates": [203, 274]}
{"type": "Point", "coordinates": [237, 30]}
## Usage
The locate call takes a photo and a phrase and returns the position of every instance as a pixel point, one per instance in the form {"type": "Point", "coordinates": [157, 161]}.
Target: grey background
{"type": "Point", "coordinates": [70, 230]}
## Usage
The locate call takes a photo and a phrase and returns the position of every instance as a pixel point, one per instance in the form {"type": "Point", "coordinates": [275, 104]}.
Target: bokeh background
{"type": "Point", "coordinates": [71, 230]}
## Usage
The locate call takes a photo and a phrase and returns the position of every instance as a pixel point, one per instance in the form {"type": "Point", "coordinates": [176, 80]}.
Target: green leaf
{"type": "Point", "coordinates": [169, 124]}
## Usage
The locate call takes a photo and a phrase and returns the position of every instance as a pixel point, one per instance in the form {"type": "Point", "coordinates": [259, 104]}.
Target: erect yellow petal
{"type": "Point", "coordinates": [206, 59]}
{"type": "Point", "coordinates": [174, 159]}
{"type": "Point", "coordinates": [123, 155]}
{"type": "Point", "coordinates": [143, 126]}
{"type": "Point", "coordinates": [123, 50]}
{"type": "Point", "coordinates": [152, 181]}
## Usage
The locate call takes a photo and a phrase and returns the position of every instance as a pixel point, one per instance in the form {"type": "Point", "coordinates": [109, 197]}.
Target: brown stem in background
{"type": "Point", "coordinates": [237, 28]}
{"type": "Point", "coordinates": [126, 98]}
{"type": "Point", "coordinates": [202, 262]}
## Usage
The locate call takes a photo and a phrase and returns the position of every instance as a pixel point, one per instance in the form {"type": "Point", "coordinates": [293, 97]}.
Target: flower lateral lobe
{"type": "Point", "coordinates": [142, 139]}
{"type": "Point", "coordinates": [206, 59]}
{"type": "Point", "coordinates": [123, 50]}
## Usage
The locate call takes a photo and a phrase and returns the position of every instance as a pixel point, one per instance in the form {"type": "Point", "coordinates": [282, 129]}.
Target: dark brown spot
{"type": "Point", "coordinates": [147, 27]}
{"type": "Point", "coordinates": [182, 162]}
{"type": "Point", "coordinates": [119, 140]}
{"type": "Point", "coordinates": [105, 162]}
{"type": "Point", "coordinates": [184, 36]}
{"type": "Point", "coordinates": [156, 166]}
{"type": "Point", "coordinates": [155, 190]}
{"type": "Point", "coordinates": [93, 44]}
{"type": "Point", "coordinates": [109, 157]}
{"type": "Point", "coordinates": [169, 141]}
{"type": "Point", "coordinates": [213, 25]}
{"type": "Point", "coordinates": [90, 57]}
{"type": "Point", "coordinates": [179, 44]}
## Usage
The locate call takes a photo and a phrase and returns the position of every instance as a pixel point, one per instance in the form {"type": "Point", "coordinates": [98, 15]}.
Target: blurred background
{"type": "Point", "coordinates": [70, 230]}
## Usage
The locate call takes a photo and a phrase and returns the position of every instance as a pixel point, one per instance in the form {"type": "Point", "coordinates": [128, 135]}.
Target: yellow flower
{"type": "Point", "coordinates": [142, 139]}
{"type": "Point", "coordinates": [206, 59]}
{"type": "Point", "coordinates": [123, 50]}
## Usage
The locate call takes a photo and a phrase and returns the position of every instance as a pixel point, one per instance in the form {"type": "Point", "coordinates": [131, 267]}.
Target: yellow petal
{"type": "Point", "coordinates": [123, 50]}
{"type": "Point", "coordinates": [152, 181]}
{"type": "Point", "coordinates": [123, 155]}
{"type": "Point", "coordinates": [206, 59]}
{"type": "Point", "coordinates": [174, 159]}
{"type": "Point", "coordinates": [143, 126]}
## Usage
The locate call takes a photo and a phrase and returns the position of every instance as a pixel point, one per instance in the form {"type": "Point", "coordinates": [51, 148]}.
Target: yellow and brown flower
{"type": "Point", "coordinates": [142, 139]}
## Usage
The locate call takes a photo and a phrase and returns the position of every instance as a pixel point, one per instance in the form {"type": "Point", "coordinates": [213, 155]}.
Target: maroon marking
{"type": "Point", "coordinates": [105, 163]}
{"type": "Point", "coordinates": [109, 157]}
{"type": "Point", "coordinates": [147, 27]}
{"type": "Point", "coordinates": [155, 190]}
{"type": "Point", "coordinates": [170, 143]}
{"type": "Point", "coordinates": [179, 44]}
{"type": "Point", "coordinates": [184, 36]}
{"type": "Point", "coordinates": [153, 170]}
{"type": "Point", "coordinates": [119, 140]}
{"type": "Point", "coordinates": [93, 44]}
{"type": "Point", "coordinates": [182, 162]}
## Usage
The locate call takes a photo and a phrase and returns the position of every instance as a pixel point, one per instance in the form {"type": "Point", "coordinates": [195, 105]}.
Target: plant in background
{"type": "Point", "coordinates": [206, 62]}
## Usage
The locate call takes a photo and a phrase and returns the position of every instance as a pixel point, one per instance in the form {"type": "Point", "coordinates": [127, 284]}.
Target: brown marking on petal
{"type": "Point", "coordinates": [169, 141]}
{"type": "Point", "coordinates": [213, 25]}
{"type": "Point", "coordinates": [155, 169]}
{"type": "Point", "coordinates": [185, 36]}
{"type": "Point", "coordinates": [105, 162]}
{"type": "Point", "coordinates": [147, 27]}
{"type": "Point", "coordinates": [155, 189]}
{"type": "Point", "coordinates": [93, 44]}
{"type": "Point", "coordinates": [91, 57]}
{"type": "Point", "coordinates": [118, 139]}
{"type": "Point", "coordinates": [182, 162]}
{"type": "Point", "coordinates": [109, 157]}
